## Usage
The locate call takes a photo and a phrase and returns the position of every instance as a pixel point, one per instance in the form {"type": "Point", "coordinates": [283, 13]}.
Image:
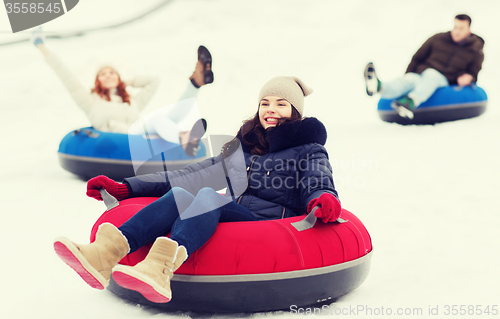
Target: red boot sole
{"type": "Point", "coordinates": [71, 260]}
{"type": "Point", "coordinates": [132, 283]}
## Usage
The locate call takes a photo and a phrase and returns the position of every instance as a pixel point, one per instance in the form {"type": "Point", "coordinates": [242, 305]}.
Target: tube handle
{"type": "Point", "coordinates": [109, 200]}
{"type": "Point", "coordinates": [310, 220]}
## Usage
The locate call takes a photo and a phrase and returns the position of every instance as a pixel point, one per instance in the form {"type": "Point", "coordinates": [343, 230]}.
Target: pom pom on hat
{"type": "Point", "coordinates": [290, 88]}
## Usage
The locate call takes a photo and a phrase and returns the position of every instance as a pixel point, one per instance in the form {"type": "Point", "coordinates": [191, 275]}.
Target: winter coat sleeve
{"type": "Point", "coordinates": [315, 175]}
{"type": "Point", "coordinates": [216, 172]}
{"type": "Point", "coordinates": [475, 66]}
{"type": "Point", "coordinates": [81, 95]}
{"type": "Point", "coordinates": [148, 85]}
{"type": "Point", "coordinates": [421, 54]}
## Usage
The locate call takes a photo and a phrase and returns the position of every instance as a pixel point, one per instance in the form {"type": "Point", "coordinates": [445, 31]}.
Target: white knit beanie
{"type": "Point", "coordinates": [290, 88]}
{"type": "Point", "coordinates": [103, 66]}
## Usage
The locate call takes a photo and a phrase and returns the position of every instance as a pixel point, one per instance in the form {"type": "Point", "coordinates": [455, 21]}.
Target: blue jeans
{"type": "Point", "coordinates": [178, 212]}
{"type": "Point", "coordinates": [419, 87]}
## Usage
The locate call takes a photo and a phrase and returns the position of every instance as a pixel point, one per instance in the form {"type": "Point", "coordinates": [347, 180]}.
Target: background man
{"type": "Point", "coordinates": [453, 57]}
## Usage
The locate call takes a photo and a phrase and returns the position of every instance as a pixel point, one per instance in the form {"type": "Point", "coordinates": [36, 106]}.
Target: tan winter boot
{"type": "Point", "coordinates": [151, 277]}
{"type": "Point", "coordinates": [93, 262]}
{"type": "Point", "coordinates": [180, 259]}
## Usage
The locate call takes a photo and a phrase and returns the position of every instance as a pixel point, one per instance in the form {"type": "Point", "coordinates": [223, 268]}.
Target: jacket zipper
{"type": "Point", "coordinates": [248, 179]}
{"type": "Point", "coordinates": [249, 171]}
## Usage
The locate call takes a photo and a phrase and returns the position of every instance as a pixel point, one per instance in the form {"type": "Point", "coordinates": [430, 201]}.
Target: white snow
{"type": "Point", "coordinates": [427, 194]}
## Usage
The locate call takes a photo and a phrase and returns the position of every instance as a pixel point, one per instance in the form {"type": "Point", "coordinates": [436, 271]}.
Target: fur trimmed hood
{"type": "Point", "coordinates": [291, 134]}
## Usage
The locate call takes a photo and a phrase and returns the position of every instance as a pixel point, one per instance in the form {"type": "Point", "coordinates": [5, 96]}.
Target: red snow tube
{"type": "Point", "coordinates": [260, 266]}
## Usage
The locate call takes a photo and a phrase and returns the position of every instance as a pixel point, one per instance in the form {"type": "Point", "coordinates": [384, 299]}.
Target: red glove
{"type": "Point", "coordinates": [117, 190]}
{"type": "Point", "coordinates": [328, 207]}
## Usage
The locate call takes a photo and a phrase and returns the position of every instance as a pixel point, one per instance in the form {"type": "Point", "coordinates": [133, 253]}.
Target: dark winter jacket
{"type": "Point", "coordinates": [278, 184]}
{"type": "Point", "coordinates": [451, 59]}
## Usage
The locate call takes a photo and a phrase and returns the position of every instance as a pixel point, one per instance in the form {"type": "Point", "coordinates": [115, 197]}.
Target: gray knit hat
{"type": "Point", "coordinates": [290, 88]}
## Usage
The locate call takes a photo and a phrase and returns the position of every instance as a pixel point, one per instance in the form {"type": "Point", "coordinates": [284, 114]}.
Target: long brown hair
{"type": "Point", "coordinates": [259, 146]}
{"type": "Point", "coordinates": [104, 93]}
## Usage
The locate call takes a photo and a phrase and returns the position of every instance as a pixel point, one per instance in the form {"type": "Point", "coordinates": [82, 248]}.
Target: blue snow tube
{"type": "Point", "coordinates": [87, 153]}
{"type": "Point", "coordinates": [449, 103]}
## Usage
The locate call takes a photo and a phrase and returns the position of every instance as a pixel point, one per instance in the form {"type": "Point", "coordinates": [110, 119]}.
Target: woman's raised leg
{"type": "Point", "coordinates": [94, 261]}
{"type": "Point", "coordinates": [156, 219]}
{"type": "Point", "coordinates": [192, 228]}
{"type": "Point", "coordinates": [198, 222]}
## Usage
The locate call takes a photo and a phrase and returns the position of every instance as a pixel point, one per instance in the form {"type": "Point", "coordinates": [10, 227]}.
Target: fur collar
{"type": "Point", "coordinates": [291, 134]}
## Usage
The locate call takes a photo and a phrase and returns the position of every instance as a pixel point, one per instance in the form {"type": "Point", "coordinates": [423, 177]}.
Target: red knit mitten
{"type": "Point", "coordinates": [117, 190]}
{"type": "Point", "coordinates": [328, 207]}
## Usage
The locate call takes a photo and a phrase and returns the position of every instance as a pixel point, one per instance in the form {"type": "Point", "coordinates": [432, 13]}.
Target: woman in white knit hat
{"type": "Point", "coordinates": [110, 108]}
{"type": "Point", "coordinates": [275, 167]}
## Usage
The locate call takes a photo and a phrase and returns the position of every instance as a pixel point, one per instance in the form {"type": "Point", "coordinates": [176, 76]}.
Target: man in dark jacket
{"type": "Point", "coordinates": [453, 57]}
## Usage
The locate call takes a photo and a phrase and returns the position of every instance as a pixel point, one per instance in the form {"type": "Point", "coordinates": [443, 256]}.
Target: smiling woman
{"type": "Point", "coordinates": [108, 105]}
{"type": "Point", "coordinates": [188, 207]}
{"type": "Point", "coordinates": [281, 100]}
{"type": "Point", "coordinates": [108, 80]}
{"type": "Point", "coordinates": [271, 109]}
{"type": "Point", "coordinates": [111, 109]}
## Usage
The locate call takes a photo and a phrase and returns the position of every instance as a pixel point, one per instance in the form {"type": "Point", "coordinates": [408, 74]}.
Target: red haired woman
{"type": "Point", "coordinates": [110, 108]}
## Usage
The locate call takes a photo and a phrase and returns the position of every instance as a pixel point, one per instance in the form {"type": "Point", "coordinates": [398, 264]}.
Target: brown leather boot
{"type": "Point", "coordinates": [93, 262]}
{"type": "Point", "coordinates": [151, 277]}
{"type": "Point", "coordinates": [190, 140]}
{"type": "Point", "coordinates": [203, 74]}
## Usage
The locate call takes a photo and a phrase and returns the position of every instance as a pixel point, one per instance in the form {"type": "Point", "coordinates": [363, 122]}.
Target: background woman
{"type": "Point", "coordinates": [110, 108]}
{"type": "Point", "coordinates": [277, 165]}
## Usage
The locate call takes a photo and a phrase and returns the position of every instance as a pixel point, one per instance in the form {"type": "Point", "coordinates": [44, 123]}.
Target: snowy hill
{"type": "Point", "coordinates": [427, 194]}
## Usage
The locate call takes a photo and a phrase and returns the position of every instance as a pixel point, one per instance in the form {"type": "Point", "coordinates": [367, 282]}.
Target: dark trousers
{"type": "Point", "coordinates": [191, 219]}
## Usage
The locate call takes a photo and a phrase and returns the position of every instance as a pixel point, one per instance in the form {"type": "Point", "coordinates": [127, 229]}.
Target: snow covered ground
{"type": "Point", "coordinates": [427, 194]}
